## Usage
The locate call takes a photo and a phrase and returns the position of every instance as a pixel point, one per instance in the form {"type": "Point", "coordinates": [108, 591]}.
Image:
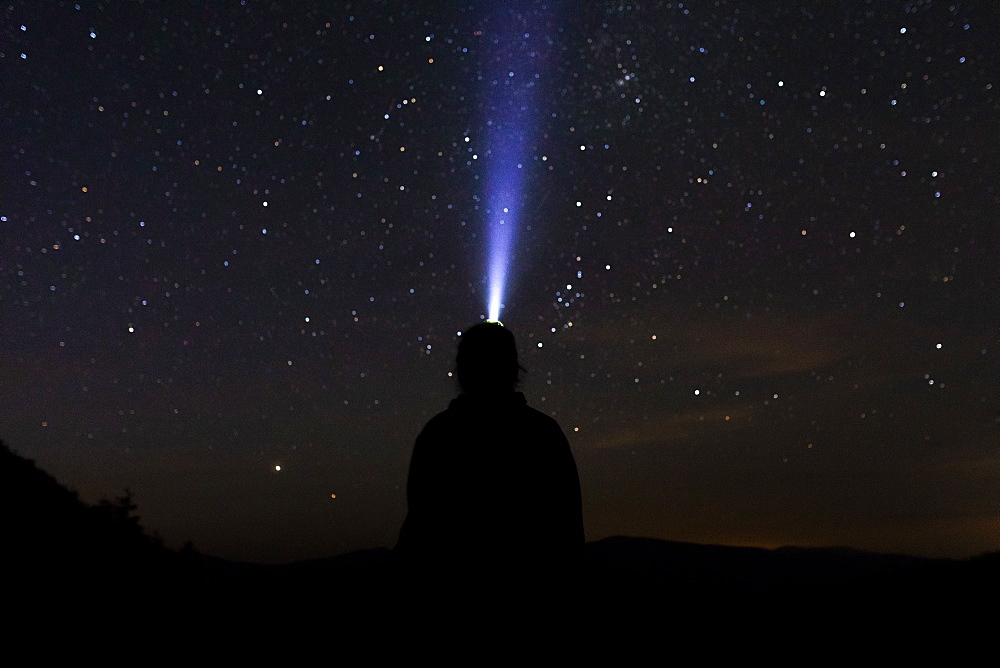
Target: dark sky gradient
{"type": "Point", "coordinates": [779, 222]}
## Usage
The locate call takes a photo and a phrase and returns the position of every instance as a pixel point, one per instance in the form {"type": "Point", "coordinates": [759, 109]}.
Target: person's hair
{"type": "Point", "coordinates": [487, 359]}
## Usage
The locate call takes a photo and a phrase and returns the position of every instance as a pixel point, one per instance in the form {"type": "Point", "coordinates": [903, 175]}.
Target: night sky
{"type": "Point", "coordinates": [754, 274]}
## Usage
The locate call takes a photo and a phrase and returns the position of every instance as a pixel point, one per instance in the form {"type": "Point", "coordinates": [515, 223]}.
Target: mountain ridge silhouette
{"type": "Point", "coordinates": [59, 548]}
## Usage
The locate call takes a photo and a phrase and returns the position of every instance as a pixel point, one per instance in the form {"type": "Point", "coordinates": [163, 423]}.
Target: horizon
{"type": "Point", "coordinates": [136, 513]}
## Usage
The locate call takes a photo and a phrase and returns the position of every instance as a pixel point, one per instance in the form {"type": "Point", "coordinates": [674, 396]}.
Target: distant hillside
{"type": "Point", "coordinates": [57, 548]}
{"type": "Point", "coordinates": [57, 545]}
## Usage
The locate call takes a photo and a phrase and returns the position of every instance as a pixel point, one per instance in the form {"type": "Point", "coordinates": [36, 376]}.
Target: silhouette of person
{"type": "Point", "coordinates": [493, 493]}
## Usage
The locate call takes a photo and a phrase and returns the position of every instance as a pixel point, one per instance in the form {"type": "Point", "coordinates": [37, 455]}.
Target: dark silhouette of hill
{"type": "Point", "coordinates": [58, 547]}
{"type": "Point", "coordinates": [619, 565]}
{"type": "Point", "coordinates": [60, 553]}
{"type": "Point", "coordinates": [715, 568]}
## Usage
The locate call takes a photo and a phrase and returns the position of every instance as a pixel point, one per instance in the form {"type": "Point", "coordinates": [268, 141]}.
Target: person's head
{"type": "Point", "coordinates": [487, 359]}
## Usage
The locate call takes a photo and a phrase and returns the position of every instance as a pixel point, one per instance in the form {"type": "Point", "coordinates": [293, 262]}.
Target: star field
{"type": "Point", "coordinates": [755, 274]}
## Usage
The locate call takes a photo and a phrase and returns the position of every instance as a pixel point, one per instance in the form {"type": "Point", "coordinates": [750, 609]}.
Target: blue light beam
{"type": "Point", "coordinates": [510, 121]}
{"type": "Point", "coordinates": [505, 204]}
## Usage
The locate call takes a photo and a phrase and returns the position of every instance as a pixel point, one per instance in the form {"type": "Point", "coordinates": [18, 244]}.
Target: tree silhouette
{"type": "Point", "coordinates": [56, 545]}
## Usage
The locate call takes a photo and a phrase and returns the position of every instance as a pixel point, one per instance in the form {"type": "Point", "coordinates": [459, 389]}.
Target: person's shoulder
{"type": "Point", "coordinates": [440, 420]}
{"type": "Point", "coordinates": [540, 419]}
